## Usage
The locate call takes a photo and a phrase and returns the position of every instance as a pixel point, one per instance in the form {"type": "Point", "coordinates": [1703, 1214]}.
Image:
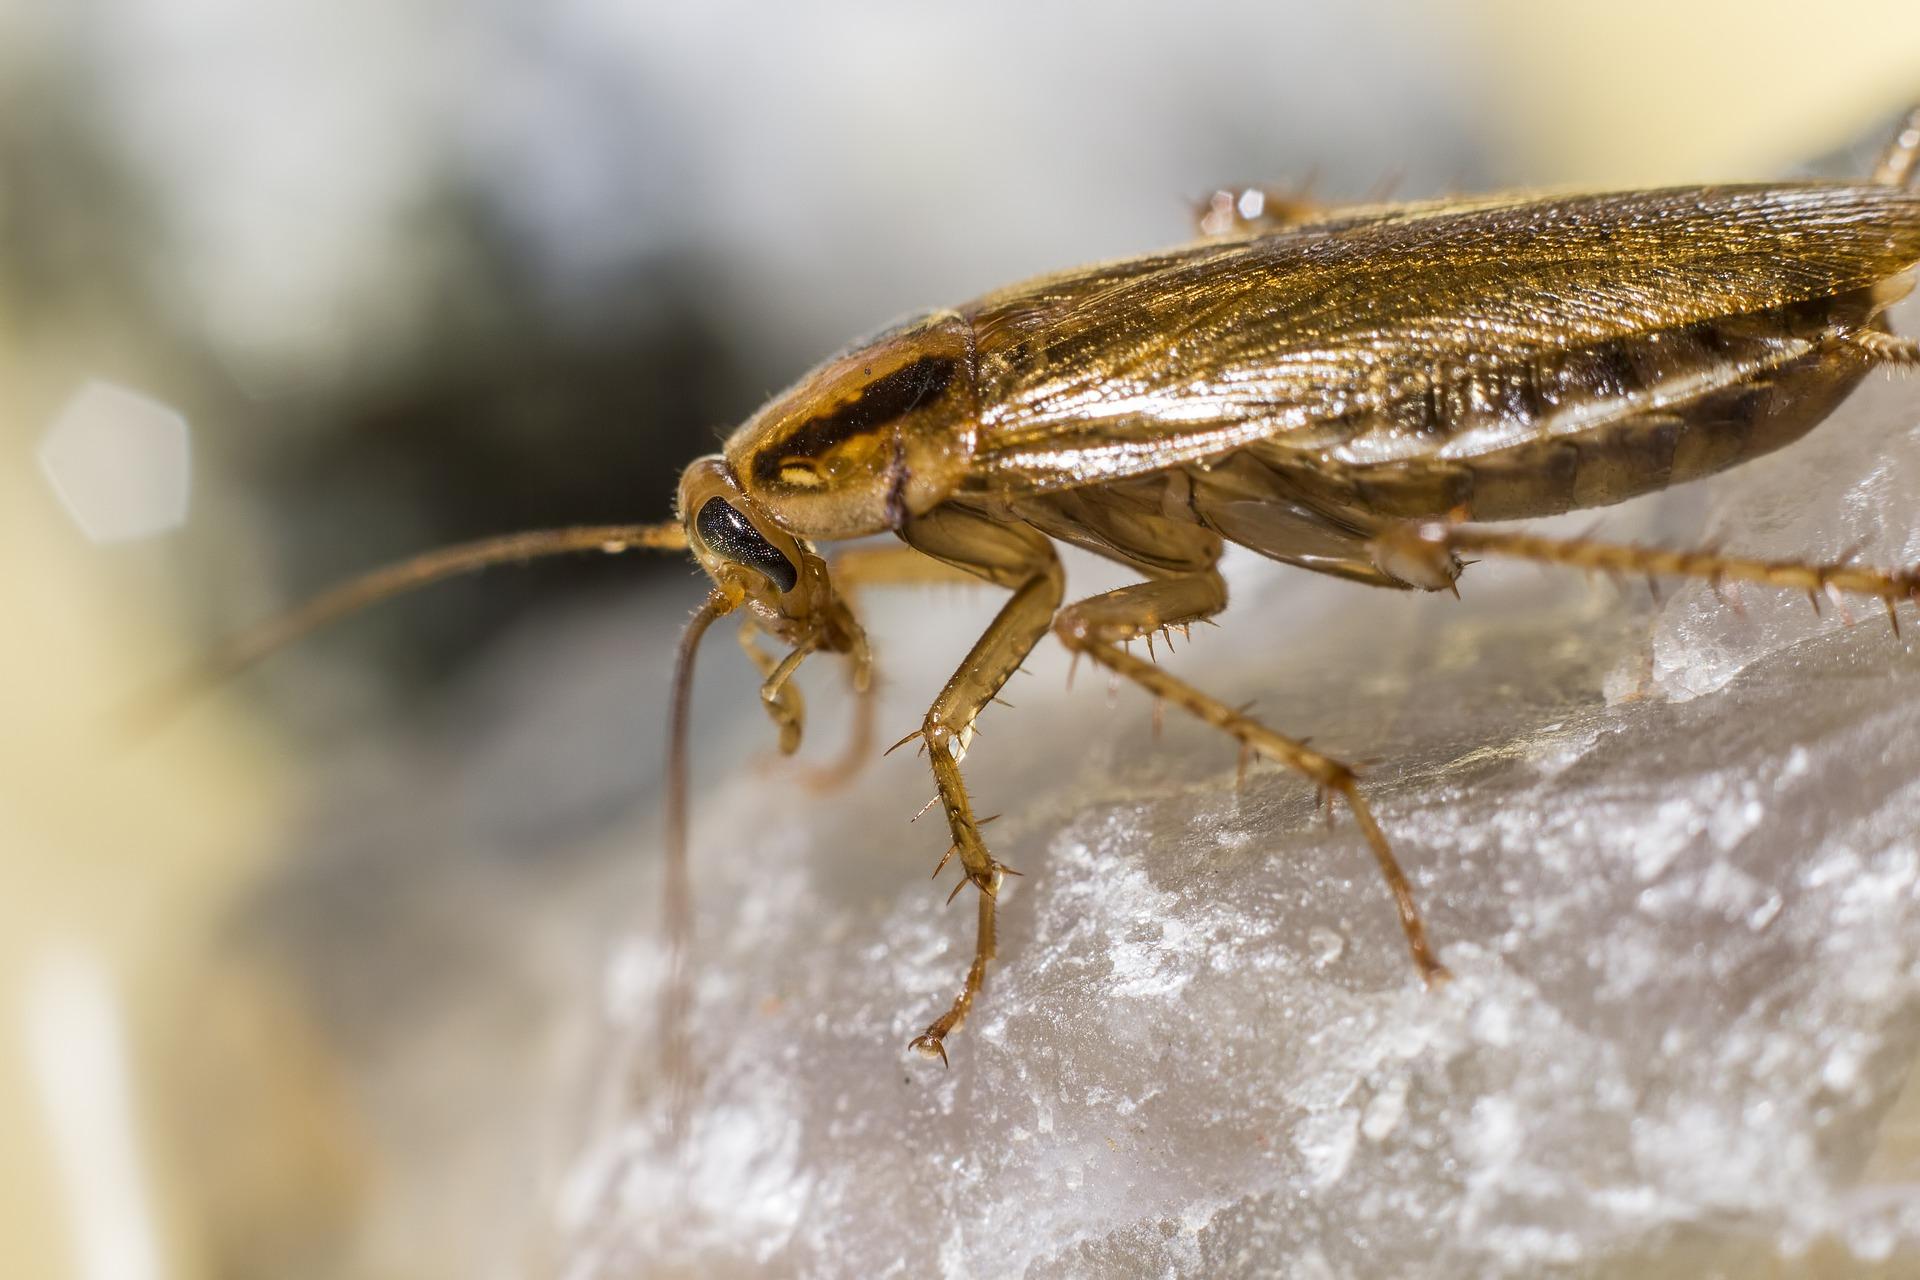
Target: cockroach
{"type": "Point", "coordinates": [1339, 388]}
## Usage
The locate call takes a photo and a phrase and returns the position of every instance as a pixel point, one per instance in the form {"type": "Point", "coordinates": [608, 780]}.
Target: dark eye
{"type": "Point", "coordinates": [732, 535]}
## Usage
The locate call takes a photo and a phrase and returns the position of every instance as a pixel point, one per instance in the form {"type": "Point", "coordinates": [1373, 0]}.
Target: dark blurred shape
{"type": "Point", "coordinates": [523, 416]}
{"type": "Point", "coordinates": [514, 405]}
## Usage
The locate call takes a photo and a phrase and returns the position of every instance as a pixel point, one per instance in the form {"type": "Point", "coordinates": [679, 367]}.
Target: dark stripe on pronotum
{"type": "Point", "coordinates": [880, 403]}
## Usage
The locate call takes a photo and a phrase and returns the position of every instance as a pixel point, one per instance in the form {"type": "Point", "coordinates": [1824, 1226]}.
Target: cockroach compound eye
{"type": "Point", "coordinates": [731, 535]}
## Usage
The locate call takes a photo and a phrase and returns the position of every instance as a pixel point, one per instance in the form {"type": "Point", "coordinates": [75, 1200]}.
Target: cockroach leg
{"type": "Point", "coordinates": [1900, 162]}
{"type": "Point", "coordinates": [1882, 347]}
{"type": "Point", "coordinates": [892, 564]}
{"type": "Point", "coordinates": [882, 565]}
{"type": "Point", "coordinates": [1439, 538]}
{"type": "Point", "coordinates": [777, 691]}
{"type": "Point", "coordinates": [932, 1041]}
{"type": "Point", "coordinates": [1092, 626]}
{"type": "Point", "coordinates": [859, 745]}
{"type": "Point", "coordinates": [1234, 212]}
{"type": "Point", "coordinates": [1022, 559]}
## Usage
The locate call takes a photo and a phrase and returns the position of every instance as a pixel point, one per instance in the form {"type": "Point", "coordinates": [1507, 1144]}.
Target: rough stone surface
{"type": "Point", "coordinates": [1666, 847]}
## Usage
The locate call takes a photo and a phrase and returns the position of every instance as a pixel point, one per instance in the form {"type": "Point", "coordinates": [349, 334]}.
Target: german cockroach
{"type": "Point", "coordinates": [1335, 388]}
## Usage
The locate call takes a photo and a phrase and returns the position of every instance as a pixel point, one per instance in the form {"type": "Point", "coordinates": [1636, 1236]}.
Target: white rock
{"type": "Point", "coordinates": [1684, 925]}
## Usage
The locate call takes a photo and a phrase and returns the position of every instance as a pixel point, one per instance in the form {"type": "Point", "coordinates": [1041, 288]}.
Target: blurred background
{"type": "Point", "coordinates": [305, 984]}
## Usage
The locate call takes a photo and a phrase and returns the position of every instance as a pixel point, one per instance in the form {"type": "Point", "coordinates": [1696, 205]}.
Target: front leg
{"type": "Point", "coordinates": [1009, 555]}
{"type": "Point", "coordinates": [854, 571]}
{"type": "Point", "coordinates": [778, 694]}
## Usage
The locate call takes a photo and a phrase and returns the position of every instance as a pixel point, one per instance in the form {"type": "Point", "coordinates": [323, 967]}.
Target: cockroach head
{"type": "Point", "coordinates": [751, 558]}
{"type": "Point", "coordinates": [878, 433]}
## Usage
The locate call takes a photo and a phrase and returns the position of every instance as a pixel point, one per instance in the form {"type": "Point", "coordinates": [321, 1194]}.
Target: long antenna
{"type": "Point", "coordinates": [676, 1057]}
{"type": "Point", "coordinates": [249, 647]}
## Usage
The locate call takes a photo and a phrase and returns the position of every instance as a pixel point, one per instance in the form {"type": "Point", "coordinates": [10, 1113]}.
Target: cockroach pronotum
{"type": "Point", "coordinates": [1341, 389]}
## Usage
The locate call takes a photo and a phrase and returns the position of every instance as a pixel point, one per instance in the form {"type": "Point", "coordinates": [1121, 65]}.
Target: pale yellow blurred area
{"type": "Point", "coordinates": [139, 1054]}
{"type": "Point", "coordinates": [158, 1103]}
{"type": "Point", "coordinates": [1643, 93]}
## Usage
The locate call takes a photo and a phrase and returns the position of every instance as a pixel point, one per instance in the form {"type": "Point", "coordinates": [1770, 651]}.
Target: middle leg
{"type": "Point", "coordinates": [1018, 557]}
{"type": "Point", "coordinates": [1099, 626]}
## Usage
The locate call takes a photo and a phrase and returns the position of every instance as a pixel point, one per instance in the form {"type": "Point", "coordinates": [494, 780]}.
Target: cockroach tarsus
{"type": "Point", "coordinates": [1342, 389]}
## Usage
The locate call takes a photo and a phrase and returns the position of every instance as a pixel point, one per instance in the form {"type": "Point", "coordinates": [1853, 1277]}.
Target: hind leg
{"type": "Point", "coordinates": [1882, 347]}
{"type": "Point", "coordinates": [1901, 160]}
{"type": "Point", "coordinates": [1898, 166]}
{"type": "Point", "coordinates": [1097, 627]}
{"type": "Point", "coordinates": [1233, 212]}
{"type": "Point", "coordinates": [1438, 539]}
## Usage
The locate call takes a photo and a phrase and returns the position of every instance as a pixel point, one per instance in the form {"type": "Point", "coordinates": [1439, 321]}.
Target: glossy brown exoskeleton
{"type": "Point", "coordinates": [1334, 388]}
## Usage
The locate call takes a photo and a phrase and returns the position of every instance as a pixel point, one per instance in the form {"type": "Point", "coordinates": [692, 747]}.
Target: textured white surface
{"type": "Point", "coordinates": [1668, 851]}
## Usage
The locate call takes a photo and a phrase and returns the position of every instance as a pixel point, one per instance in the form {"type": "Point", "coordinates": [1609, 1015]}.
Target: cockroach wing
{"type": "Point", "coordinates": [1343, 340]}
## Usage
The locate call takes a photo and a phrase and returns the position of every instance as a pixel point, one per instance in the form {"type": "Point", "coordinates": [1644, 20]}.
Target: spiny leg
{"type": "Point", "coordinates": [1008, 555]}
{"type": "Point", "coordinates": [778, 694]}
{"type": "Point", "coordinates": [852, 571]}
{"type": "Point", "coordinates": [932, 1041]}
{"type": "Point", "coordinates": [1096, 627]}
{"type": "Point", "coordinates": [1235, 212]}
{"type": "Point", "coordinates": [1881, 347]}
{"type": "Point", "coordinates": [1436, 539]}
{"type": "Point", "coordinates": [1900, 162]}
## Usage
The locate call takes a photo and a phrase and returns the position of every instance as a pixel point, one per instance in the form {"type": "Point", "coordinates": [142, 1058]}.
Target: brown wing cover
{"type": "Point", "coordinates": [1348, 336]}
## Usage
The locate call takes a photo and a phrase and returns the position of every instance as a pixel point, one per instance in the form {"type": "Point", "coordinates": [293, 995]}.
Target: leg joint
{"type": "Point", "coordinates": [1072, 629]}
{"type": "Point", "coordinates": [943, 737]}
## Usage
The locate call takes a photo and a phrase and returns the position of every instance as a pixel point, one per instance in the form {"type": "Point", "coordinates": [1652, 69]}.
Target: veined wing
{"type": "Point", "coordinates": [1321, 338]}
